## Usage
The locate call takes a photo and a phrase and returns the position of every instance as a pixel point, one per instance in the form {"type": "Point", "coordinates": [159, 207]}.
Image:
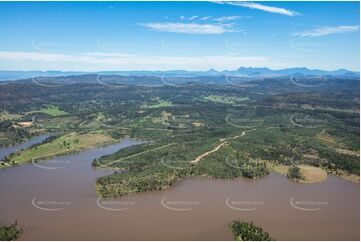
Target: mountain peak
{"type": "Point", "coordinates": [212, 71]}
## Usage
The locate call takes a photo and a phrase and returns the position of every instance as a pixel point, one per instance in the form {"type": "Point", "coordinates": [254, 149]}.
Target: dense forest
{"type": "Point", "coordinates": [188, 127]}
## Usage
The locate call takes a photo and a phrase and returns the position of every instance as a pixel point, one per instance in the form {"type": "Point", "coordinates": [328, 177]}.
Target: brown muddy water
{"type": "Point", "coordinates": [56, 200]}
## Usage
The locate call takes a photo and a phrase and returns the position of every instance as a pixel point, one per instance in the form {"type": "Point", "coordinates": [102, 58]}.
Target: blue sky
{"type": "Point", "coordinates": [94, 36]}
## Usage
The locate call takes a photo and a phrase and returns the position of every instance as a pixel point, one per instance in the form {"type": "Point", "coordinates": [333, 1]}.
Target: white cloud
{"type": "Point", "coordinates": [328, 31]}
{"type": "Point", "coordinates": [192, 28]}
{"type": "Point", "coordinates": [263, 7]}
{"type": "Point", "coordinates": [206, 18]}
{"type": "Point", "coordinates": [97, 61]}
{"type": "Point", "coordinates": [190, 18]}
{"type": "Point", "coordinates": [193, 17]}
{"type": "Point", "coordinates": [227, 18]}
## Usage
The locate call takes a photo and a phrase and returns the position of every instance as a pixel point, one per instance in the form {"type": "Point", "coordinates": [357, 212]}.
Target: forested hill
{"type": "Point", "coordinates": [224, 127]}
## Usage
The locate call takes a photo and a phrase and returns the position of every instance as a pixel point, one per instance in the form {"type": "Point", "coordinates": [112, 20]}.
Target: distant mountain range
{"type": "Point", "coordinates": [242, 71]}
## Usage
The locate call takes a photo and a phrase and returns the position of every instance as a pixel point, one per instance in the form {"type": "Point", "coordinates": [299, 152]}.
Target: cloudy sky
{"type": "Point", "coordinates": [94, 36]}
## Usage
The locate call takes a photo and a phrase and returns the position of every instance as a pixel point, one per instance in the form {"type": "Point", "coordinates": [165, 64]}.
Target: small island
{"type": "Point", "coordinates": [244, 231]}
{"type": "Point", "coordinates": [10, 232]}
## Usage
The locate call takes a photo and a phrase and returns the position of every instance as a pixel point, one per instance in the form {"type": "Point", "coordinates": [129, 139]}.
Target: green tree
{"type": "Point", "coordinates": [294, 173]}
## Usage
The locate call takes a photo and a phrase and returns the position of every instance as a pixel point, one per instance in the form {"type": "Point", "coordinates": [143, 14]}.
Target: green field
{"type": "Point", "coordinates": [62, 145]}
{"type": "Point", "coordinates": [225, 99]}
{"type": "Point", "coordinates": [53, 111]}
{"type": "Point", "coordinates": [159, 104]}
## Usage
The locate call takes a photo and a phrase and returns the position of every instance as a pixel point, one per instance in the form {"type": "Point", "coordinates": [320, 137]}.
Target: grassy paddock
{"type": "Point", "coordinates": [68, 143]}
{"type": "Point", "coordinates": [309, 173]}
{"type": "Point", "coordinates": [50, 110]}
{"type": "Point", "coordinates": [225, 99]}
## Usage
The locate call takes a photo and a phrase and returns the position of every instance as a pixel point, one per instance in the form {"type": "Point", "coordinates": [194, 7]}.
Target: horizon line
{"type": "Point", "coordinates": [214, 69]}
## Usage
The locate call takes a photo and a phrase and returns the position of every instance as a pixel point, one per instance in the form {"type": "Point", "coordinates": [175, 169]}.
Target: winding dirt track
{"type": "Point", "coordinates": [217, 147]}
{"type": "Point", "coordinates": [207, 153]}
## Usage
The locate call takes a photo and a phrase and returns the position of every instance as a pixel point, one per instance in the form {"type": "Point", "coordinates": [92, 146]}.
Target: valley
{"type": "Point", "coordinates": [221, 132]}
